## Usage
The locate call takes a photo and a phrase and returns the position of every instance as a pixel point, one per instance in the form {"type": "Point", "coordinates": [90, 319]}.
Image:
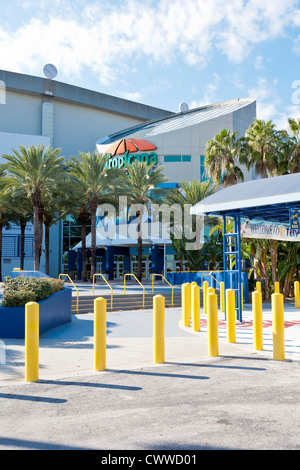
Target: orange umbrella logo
{"type": "Point", "coordinates": [129, 145]}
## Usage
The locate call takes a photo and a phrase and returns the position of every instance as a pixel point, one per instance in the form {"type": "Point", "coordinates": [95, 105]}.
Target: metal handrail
{"type": "Point", "coordinates": [201, 271]}
{"type": "Point", "coordinates": [67, 275]}
{"type": "Point", "coordinates": [209, 274]}
{"type": "Point", "coordinates": [111, 290]}
{"type": "Point", "coordinates": [167, 282]}
{"type": "Point", "coordinates": [130, 274]}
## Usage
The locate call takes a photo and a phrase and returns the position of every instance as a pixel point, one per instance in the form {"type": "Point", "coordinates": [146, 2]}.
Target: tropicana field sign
{"type": "Point", "coordinates": [127, 159]}
{"type": "Point", "coordinates": [123, 153]}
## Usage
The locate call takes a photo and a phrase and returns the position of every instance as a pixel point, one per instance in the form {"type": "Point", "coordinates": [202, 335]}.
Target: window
{"type": "Point", "coordinates": [177, 158]}
{"type": "Point", "coordinates": [72, 232]}
{"type": "Point", "coordinates": [11, 246]}
{"type": "Point", "coordinates": [203, 176]}
{"type": "Point", "coordinates": [172, 158]}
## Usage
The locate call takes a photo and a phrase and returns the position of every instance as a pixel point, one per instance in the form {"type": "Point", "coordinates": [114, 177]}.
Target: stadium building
{"type": "Point", "coordinates": [37, 110]}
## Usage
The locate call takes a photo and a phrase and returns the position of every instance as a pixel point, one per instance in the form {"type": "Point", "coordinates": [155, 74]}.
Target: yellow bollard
{"type": "Point", "coordinates": [210, 290]}
{"type": "Point", "coordinates": [183, 301]}
{"type": "Point", "coordinates": [212, 325]}
{"type": "Point", "coordinates": [277, 288]}
{"type": "Point", "coordinates": [195, 298]}
{"type": "Point", "coordinates": [186, 303]}
{"type": "Point", "coordinates": [100, 334]}
{"type": "Point", "coordinates": [242, 296]}
{"type": "Point", "coordinates": [278, 327]}
{"type": "Point", "coordinates": [257, 320]}
{"type": "Point", "coordinates": [205, 287]}
{"type": "Point", "coordinates": [158, 329]}
{"type": "Point", "coordinates": [222, 297]}
{"type": "Point", "coordinates": [297, 294]}
{"type": "Point", "coordinates": [32, 342]}
{"type": "Point", "coordinates": [230, 315]}
{"type": "Point", "coordinates": [258, 286]}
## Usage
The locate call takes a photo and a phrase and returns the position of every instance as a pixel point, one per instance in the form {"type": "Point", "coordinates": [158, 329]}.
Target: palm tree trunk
{"type": "Point", "coordinates": [93, 207]}
{"type": "Point", "coordinates": [264, 273]}
{"type": "Point", "coordinates": [41, 213]}
{"type": "Point", "coordinates": [274, 256]}
{"type": "Point", "coordinates": [47, 248]}
{"type": "Point", "coordinates": [139, 273]}
{"type": "Point", "coordinates": [22, 243]}
{"type": "Point", "coordinates": [292, 261]}
{"type": "Point", "coordinates": [83, 218]}
{"type": "Point", "coordinates": [36, 236]}
{"type": "Point", "coordinates": [288, 282]}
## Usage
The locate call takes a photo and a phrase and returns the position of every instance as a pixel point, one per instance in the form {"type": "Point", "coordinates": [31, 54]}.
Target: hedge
{"type": "Point", "coordinates": [20, 290]}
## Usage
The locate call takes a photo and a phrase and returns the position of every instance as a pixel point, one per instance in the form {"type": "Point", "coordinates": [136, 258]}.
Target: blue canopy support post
{"type": "Point", "coordinates": [224, 259]}
{"type": "Point", "coordinates": [238, 263]}
{"type": "Point", "coordinates": [233, 251]}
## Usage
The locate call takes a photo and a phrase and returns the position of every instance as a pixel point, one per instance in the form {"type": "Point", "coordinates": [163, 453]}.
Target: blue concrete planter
{"type": "Point", "coordinates": [53, 311]}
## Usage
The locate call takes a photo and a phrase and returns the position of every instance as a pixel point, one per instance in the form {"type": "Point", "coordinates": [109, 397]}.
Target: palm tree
{"type": "Point", "coordinates": [21, 215]}
{"type": "Point", "coordinates": [79, 209]}
{"type": "Point", "coordinates": [96, 184]}
{"type": "Point", "coordinates": [221, 158]}
{"type": "Point", "coordinates": [141, 186]}
{"type": "Point", "coordinates": [191, 192]}
{"type": "Point", "coordinates": [187, 194]}
{"type": "Point", "coordinates": [57, 206]}
{"type": "Point", "coordinates": [5, 211]}
{"type": "Point", "coordinates": [294, 141]}
{"type": "Point", "coordinates": [283, 154]}
{"type": "Point", "coordinates": [37, 171]}
{"type": "Point", "coordinates": [260, 150]}
{"type": "Point", "coordinates": [288, 265]}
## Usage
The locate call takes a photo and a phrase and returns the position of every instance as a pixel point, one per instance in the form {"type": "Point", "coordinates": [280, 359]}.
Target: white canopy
{"type": "Point", "coordinates": [267, 198]}
{"type": "Point", "coordinates": [114, 238]}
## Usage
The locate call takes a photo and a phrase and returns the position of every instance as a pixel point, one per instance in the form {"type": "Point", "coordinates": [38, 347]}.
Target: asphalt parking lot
{"type": "Point", "coordinates": [241, 400]}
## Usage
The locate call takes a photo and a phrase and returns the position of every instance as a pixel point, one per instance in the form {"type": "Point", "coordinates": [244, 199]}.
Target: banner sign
{"type": "Point", "coordinates": [294, 219]}
{"type": "Point", "coordinates": [269, 230]}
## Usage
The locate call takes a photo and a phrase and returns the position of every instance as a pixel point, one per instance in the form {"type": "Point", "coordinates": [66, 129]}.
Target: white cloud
{"type": "Point", "coordinates": [269, 104]}
{"type": "Point", "coordinates": [131, 96]}
{"type": "Point", "coordinates": [108, 37]}
{"type": "Point", "coordinates": [210, 93]}
{"type": "Point", "coordinates": [268, 101]}
{"type": "Point", "coordinates": [259, 63]}
{"type": "Point", "coordinates": [263, 90]}
{"type": "Point", "coordinates": [253, 22]}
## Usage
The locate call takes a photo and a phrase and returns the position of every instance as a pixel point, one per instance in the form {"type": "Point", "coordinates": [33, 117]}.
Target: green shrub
{"type": "Point", "coordinates": [20, 290]}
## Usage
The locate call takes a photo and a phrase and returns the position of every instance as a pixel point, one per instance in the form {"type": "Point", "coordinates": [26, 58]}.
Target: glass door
{"type": "Point", "coordinates": [118, 267]}
{"type": "Point", "coordinates": [146, 265]}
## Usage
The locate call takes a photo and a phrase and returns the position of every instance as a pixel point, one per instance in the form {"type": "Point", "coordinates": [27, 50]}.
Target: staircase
{"type": "Point", "coordinates": [123, 302]}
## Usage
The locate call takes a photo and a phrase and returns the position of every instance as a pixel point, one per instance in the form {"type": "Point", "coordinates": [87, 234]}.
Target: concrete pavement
{"type": "Point", "coordinates": [240, 400]}
{"type": "Point", "coordinates": [67, 351]}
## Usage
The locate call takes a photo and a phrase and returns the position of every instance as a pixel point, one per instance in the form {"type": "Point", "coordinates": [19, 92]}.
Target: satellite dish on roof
{"type": "Point", "coordinates": [183, 107]}
{"type": "Point", "coordinates": [50, 71]}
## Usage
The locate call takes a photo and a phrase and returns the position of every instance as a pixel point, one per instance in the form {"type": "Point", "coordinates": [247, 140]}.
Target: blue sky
{"type": "Point", "coordinates": [163, 52]}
